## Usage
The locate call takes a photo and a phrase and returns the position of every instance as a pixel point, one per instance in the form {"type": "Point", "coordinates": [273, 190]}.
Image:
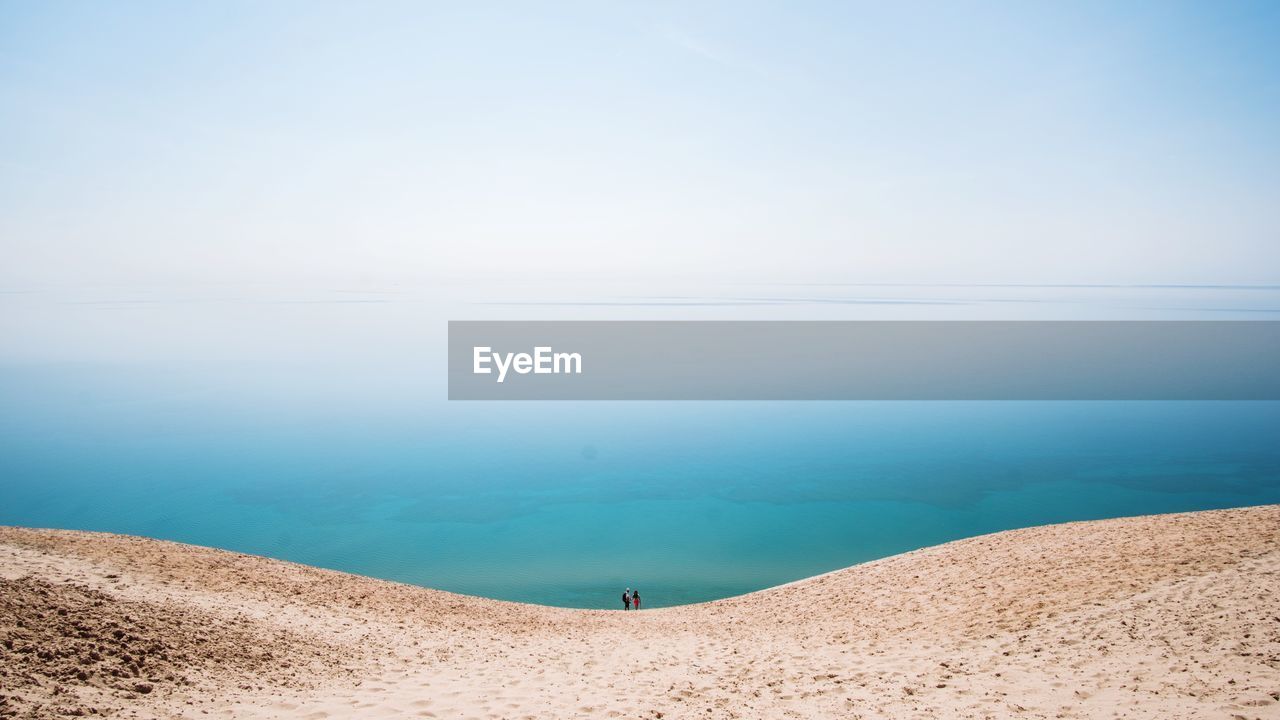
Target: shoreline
{"type": "Point", "coordinates": [1062, 620]}
{"type": "Point", "coordinates": [798, 581]}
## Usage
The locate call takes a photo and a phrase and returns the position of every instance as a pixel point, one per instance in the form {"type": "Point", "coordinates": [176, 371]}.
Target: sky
{"type": "Point", "coordinates": [165, 143]}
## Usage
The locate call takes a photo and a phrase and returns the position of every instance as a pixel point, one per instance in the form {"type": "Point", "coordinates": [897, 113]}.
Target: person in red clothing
{"type": "Point", "coordinates": [635, 599]}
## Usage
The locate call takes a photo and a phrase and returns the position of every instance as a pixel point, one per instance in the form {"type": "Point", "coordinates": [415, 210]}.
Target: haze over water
{"type": "Point", "coordinates": [310, 424]}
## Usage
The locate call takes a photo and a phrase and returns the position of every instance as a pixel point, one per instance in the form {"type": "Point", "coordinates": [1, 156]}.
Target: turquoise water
{"type": "Point", "coordinates": [564, 505]}
{"type": "Point", "coordinates": [343, 454]}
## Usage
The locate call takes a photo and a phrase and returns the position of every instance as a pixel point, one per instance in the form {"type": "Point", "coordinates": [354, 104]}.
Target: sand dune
{"type": "Point", "coordinates": [1164, 617]}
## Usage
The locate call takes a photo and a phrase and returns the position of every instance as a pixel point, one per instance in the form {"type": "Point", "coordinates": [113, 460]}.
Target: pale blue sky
{"type": "Point", "coordinates": [380, 142]}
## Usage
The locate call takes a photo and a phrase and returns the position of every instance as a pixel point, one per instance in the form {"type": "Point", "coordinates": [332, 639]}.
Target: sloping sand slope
{"type": "Point", "coordinates": [1162, 617]}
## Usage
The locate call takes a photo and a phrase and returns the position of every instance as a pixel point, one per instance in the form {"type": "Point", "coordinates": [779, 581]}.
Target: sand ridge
{"type": "Point", "coordinates": [1168, 616]}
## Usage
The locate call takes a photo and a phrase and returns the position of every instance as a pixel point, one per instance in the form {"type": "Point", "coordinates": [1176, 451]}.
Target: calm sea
{"type": "Point", "coordinates": [311, 425]}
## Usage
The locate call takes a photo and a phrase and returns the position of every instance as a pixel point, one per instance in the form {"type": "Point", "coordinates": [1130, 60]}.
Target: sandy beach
{"type": "Point", "coordinates": [1169, 616]}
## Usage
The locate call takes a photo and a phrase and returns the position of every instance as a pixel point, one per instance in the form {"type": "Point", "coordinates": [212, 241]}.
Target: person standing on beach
{"type": "Point", "coordinates": [626, 599]}
{"type": "Point", "coordinates": [635, 599]}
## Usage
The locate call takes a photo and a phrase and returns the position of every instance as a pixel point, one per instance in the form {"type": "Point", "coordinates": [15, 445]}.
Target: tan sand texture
{"type": "Point", "coordinates": [1169, 616]}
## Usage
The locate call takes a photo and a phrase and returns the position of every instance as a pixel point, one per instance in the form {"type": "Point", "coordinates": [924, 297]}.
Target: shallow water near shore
{"type": "Point", "coordinates": [330, 444]}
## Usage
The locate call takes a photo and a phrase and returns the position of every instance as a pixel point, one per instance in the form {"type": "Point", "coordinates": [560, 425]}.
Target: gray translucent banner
{"type": "Point", "coordinates": [789, 360]}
